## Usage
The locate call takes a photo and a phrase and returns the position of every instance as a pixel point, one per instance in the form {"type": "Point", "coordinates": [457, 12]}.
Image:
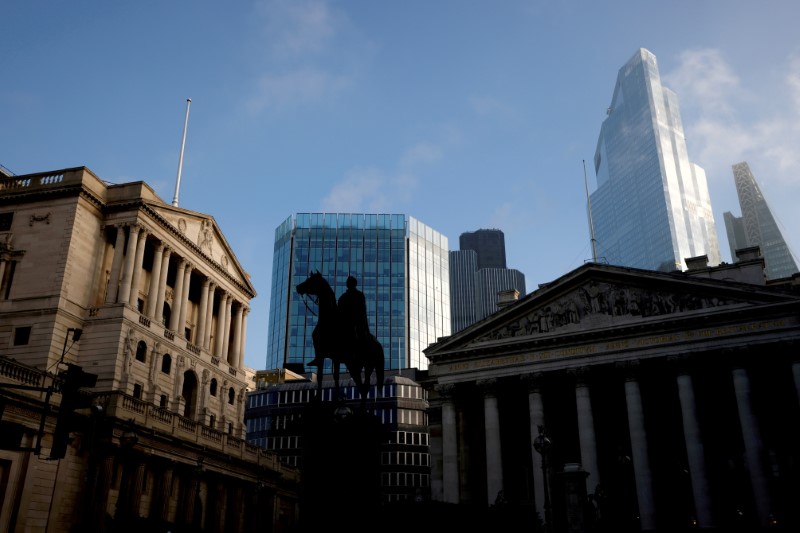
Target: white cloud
{"type": "Point", "coordinates": [490, 106]}
{"type": "Point", "coordinates": [423, 152]}
{"type": "Point", "coordinates": [296, 28]}
{"type": "Point", "coordinates": [304, 86]}
{"type": "Point", "coordinates": [370, 190]}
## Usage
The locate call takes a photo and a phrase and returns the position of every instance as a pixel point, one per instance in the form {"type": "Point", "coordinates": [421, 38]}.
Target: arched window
{"type": "Point", "coordinates": [141, 351]}
{"type": "Point", "coordinates": [212, 388]}
{"type": "Point", "coordinates": [231, 395]}
{"type": "Point", "coordinates": [166, 363]}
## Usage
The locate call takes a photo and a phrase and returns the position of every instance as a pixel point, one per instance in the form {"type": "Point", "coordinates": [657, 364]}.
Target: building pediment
{"type": "Point", "coordinates": [203, 234]}
{"type": "Point", "coordinates": [600, 297]}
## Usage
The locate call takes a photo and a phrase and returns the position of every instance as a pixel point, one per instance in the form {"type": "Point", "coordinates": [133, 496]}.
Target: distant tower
{"type": "Point", "coordinates": [651, 208]}
{"type": "Point", "coordinates": [757, 226]}
{"type": "Point", "coordinates": [477, 274]}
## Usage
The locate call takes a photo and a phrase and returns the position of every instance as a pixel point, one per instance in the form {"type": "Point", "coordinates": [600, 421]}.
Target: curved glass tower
{"type": "Point", "coordinates": [651, 208]}
{"type": "Point", "coordinates": [401, 266]}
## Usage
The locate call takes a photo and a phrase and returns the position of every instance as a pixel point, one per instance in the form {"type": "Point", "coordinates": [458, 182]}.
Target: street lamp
{"type": "Point", "coordinates": [542, 445]}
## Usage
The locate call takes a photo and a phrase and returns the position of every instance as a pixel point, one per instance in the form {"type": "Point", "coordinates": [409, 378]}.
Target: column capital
{"type": "Point", "coordinates": [580, 374]}
{"type": "Point", "coordinates": [445, 390]}
{"type": "Point", "coordinates": [488, 386]}
{"type": "Point", "coordinates": [630, 369]}
{"type": "Point", "coordinates": [532, 381]}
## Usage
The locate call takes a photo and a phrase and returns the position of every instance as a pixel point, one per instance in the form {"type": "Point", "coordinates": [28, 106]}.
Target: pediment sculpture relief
{"type": "Point", "coordinates": [595, 303]}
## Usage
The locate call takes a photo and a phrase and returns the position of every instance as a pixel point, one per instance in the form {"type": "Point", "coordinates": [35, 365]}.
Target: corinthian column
{"type": "Point", "coordinates": [130, 257]}
{"type": "Point", "coordinates": [227, 331]}
{"type": "Point", "coordinates": [113, 281]}
{"type": "Point", "coordinates": [586, 434]}
{"type": "Point", "coordinates": [237, 337]}
{"type": "Point", "coordinates": [162, 286]}
{"type": "Point", "coordinates": [494, 453]}
{"type": "Point", "coordinates": [753, 448]}
{"type": "Point", "coordinates": [152, 293]}
{"type": "Point", "coordinates": [177, 296]}
{"type": "Point", "coordinates": [133, 299]}
{"type": "Point", "coordinates": [449, 444]}
{"type": "Point", "coordinates": [536, 415]}
{"type": "Point", "coordinates": [218, 344]}
{"type": "Point", "coordinates": [201, 314]}
{"type": "Point", "coordinates": [187, 279]}
{"type": "Point", "coordinates": [209, 318]}
{"type": "Point", "coordinates": [641, 462]}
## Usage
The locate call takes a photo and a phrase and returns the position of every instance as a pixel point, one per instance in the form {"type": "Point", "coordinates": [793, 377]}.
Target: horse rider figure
{"type": "Point", "coordinates": [353, 317]}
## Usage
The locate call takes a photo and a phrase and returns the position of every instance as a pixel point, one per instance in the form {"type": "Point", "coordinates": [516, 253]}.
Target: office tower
{"type": "Point", "coordinates": [477, 274]}
{"type": "Point", "coordinates": [490, 245]}
{"type": "Point", "coordinates": [401, 266]}
{"type": "Point", "coordinates": [757, 226]}
{"type": "Point", "coordinates": [651, 208]}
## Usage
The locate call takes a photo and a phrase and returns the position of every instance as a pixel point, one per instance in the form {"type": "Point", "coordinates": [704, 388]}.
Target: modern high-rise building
{"type": "Point", "coordinates": [477, 275]}
{"type": "Point", "coordinates": [490, 245]}
{"type": "Point", "coordinates": [651, 208]}
{"type": "Point", "coordinates": [757, 226]}
{"type": "Point", "coordinates": [401, 266]}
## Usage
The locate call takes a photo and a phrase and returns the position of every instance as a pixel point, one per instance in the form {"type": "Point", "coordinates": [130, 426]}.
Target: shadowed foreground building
{"type": "Point", "coordinates": [275, 412]}
{"type": "Point", "coordinates": [670, 401]}
{"type": "Point", "coordinates": [149, 301]}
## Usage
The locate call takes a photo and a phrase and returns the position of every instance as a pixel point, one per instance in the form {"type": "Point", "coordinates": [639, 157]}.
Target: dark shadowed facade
{"type": "Point", "coordinates": [671, 397]}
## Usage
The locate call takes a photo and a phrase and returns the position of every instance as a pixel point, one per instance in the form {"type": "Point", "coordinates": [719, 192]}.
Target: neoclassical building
{"type": "Point", "coordinates": [673, 397]}
{"type": "Point", "coordinates": [150, 299]}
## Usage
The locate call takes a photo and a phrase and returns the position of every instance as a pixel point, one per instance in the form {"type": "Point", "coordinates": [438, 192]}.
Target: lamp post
{"type": "Point", "coordinates": [542, 445]}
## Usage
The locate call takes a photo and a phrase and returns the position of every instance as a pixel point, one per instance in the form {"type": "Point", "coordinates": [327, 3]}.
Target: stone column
{"type": "Point", "coordinates": [753, 447]}
{"type": "Point", "coordinates": [209, 318]}
{"type": "Point", "coordinates": [243, 342]}
{"type": "Point", "coordinates": [177, 296]}
{"type": "Point", "coordinates": [694, 450]}
{"type": "Point", "coordinates": [795, 373]}
{"type": "Point", "coordinates": [586, 435]}
{"type": "Point", "coordinates": [641, 462]}
{"type": "Point", "coordinates": [449, 444]}
{"type": "Point", "coordinates": [236, 356]}
{"type": "Point", "coordinates": [187, 279]}
{"type": "Point", "coordinates": [536, 415]}
{"type": "Point", "coordinates": [223, 297]}
{"type": "Point", "coordinates": [162, 286]}
{"type": "Point", "coordinates": [201, 315]}
{"type": "Point", "coordinates": [227, 331]}
{"type": "Point", "coordinates": [494, 452]}
{"type": "Point", "coordinates": [133, 298]}
{"type": "Point", "coordinates": [130, 258]}
{"type": "Point", "coordinates": [152, 293]}
{"type": "Point", "coordinates": [113, 280]}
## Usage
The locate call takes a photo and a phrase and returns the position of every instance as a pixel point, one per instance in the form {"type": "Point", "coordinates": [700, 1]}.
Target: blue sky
{"type": "Point", "coordinates": [464, 114]}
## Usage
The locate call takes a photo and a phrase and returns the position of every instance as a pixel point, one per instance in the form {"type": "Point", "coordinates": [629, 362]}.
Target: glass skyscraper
{"type": "Point", "coordinates": [651, 208]}
{"type": "Point", "coordinates": [757, 226]}
{"type": "Point", "coordinates": [401, 266]}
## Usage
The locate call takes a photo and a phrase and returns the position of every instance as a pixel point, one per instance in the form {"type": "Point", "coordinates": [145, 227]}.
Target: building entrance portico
{"type": "Point", "coordinates": [665, 389]}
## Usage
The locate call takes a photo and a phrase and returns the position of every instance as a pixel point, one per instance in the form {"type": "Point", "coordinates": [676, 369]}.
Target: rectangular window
{"type": "Point", "coordinates": [5, 221]}
{"type": "Point", "coordinates": [137, 391]}
{"type": "Point", "coordinates": [22, 335]}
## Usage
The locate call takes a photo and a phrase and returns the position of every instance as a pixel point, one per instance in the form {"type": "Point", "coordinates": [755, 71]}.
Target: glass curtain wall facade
{"type": "Point", "coordinates": [401, 266]}
{"type": "Point", "coordinates": [757, 226]}
{"type": "Point", "coordinates": [652, 208]}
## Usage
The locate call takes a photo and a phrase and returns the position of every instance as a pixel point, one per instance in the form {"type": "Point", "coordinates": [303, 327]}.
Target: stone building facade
{"type": "Point", "coordinates": [671, 397]}
{"type": "Point", "coordinates": [159, 303]}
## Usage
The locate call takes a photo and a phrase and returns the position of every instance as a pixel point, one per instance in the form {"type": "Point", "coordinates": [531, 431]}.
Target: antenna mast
{"type": "Point", "coordinates": [180, 160]}
{"type": "Point", "coordinates": [591, 223]}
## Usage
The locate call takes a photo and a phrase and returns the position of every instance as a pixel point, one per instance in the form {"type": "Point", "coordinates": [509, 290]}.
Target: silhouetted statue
{"type": "Point", "coordinates": [353, 315]}
{"type": "Point", "coordinates": [343, 338]}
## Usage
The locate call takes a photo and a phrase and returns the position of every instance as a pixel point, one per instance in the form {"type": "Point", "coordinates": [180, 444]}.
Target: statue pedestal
{"type": "Point", "coordinates": [341, 479]}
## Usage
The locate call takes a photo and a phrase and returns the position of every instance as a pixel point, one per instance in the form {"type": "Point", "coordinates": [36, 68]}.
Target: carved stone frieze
{"type": "Point", "coordinates": [596, 304]}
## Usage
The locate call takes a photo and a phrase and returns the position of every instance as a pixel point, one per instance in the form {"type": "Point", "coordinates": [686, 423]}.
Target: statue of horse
{"type": "Point", "coordinates": [361, 358]}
